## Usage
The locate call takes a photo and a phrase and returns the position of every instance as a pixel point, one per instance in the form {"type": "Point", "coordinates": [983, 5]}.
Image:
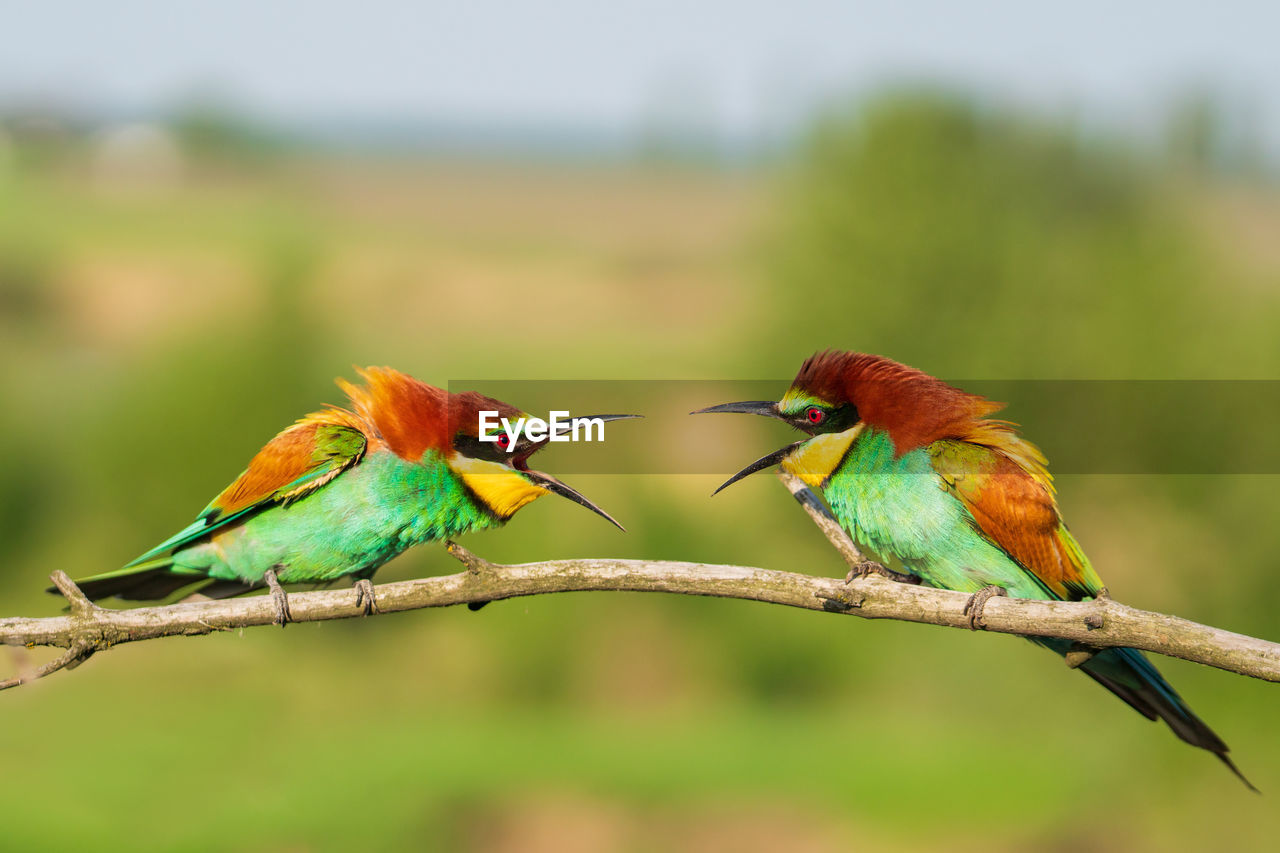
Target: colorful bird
{"type": "Point", "coordinates": [342, 491]}
{"type": "Point", "coordinates": [923, 479]}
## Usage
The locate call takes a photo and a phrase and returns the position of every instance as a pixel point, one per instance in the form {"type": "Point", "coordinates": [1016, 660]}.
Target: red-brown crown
{"type": "Point", "coordinates": [915, 408]}
{"type": "Point", "coordinates": [465, 409]}
{"type": "Point", "coordinates": [411, 417]}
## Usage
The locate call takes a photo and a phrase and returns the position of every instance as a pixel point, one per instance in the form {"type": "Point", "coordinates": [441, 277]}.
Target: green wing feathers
{"type": "Point", "coordinates": [295, 463]}
{"type": "Point", "coordinates": [292, 465]}
{"type": "Point", "coordinates": [1013, 506]}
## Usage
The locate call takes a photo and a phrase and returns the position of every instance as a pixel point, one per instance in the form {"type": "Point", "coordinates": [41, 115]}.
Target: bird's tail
{"type": "Point", "coordinates": [1128, 674]}
{"type": "Point", "coordinates": [149, 581]}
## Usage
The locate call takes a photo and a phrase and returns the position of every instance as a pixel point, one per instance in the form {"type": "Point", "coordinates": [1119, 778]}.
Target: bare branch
{"type": "Point", "coordinates": [859, 565]}
{"type": "Point", "coordinates": [80, 604]}
{"type": "Point", "coordinates": [473, 563]}
{"type": "Point", "coordinates": [1092, 625]}
{"type": "Point", "coordinates": [1095, 624]}
{"type": "Point", "coordinates": [822, 517]}
{"type": "Point", "coordinates": [70, 659]}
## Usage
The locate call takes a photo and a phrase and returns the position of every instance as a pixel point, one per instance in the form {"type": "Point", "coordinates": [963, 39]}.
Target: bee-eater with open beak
{"type": "Point", "coordinates": [923, 479]}
{"type": "Point", "coordinates": [342, 491]}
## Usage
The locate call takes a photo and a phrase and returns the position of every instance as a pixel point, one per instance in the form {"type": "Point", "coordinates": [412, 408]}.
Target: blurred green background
{"type": "Point", "coordinates": [173, 293]}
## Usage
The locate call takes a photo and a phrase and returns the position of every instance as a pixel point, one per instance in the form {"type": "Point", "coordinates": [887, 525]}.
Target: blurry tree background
{"type": "Point", "coordinates": [174, 292]}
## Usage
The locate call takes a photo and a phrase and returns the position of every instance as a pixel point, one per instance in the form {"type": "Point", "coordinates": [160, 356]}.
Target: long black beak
{"type": "Point", "coordinates": [760, 464]}
{"type": "Point", "coordinates": [522, 460]}
{"type": "Point", "coordinates": [551, 484]}
{"type": "Point", "coordinates": [767, 408]}
{"type": "Point", "coordinates": [605, 418]}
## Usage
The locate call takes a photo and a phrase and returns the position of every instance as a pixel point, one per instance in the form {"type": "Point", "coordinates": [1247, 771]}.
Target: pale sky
{"type": "Point", "coordinates": [737, 66]}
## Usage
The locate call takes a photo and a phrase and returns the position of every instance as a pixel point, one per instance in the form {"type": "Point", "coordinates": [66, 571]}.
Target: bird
{"type": "Point", "coordinates": [923, 479]}
{"type": "Point", "coordinates": [343, 490]}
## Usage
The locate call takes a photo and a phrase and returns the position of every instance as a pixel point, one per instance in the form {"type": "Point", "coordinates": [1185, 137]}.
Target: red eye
{"type": "Point", "coordinates": [503, 441]}
{"type": "Point", "coordinates": [815, 415]}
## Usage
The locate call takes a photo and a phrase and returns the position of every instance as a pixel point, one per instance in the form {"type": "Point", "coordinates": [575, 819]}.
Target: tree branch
{"type": "Point", "coordinates": [88, 628]}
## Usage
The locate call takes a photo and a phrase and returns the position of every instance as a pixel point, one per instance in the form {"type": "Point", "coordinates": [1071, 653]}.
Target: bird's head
{"type": "Point", "coordinates": [414, 419]}
{"type": "Point", "coordinates": [837, 396]}
{"type": "Point", "coordinates": [496, 470]}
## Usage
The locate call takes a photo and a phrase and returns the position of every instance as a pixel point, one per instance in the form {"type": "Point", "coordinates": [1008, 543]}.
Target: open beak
{"type": "Point", "coordinates": [760, 464]}
{"type": "Point", "coordinates": [767, 408]}
{"type": "Point", "coordinates": [551, 484]}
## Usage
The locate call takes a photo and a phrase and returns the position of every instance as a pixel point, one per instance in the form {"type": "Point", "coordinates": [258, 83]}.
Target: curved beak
{"type": "Point", "coordinates": [551, 484]}
{"type": "Point", "coordinates": [767, 408]}
{"type": "Point", "coordinates": [760, 464]}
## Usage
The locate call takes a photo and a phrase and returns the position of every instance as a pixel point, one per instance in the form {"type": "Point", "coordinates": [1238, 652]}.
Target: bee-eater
{"type": "Point", "coordinates": [923, 479]}
{"type": "Point", "coordinates": [342, 491]}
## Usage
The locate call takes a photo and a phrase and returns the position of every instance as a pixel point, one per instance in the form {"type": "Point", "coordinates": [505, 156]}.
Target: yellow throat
{"type": "Point", "coordinates": [817, 459]}
{"type": "Point", "coordinates": [503, 490]}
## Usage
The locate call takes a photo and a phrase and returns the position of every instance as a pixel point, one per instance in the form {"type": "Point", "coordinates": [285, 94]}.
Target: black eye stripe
{"type": "Point", "coordinates": [471, 445]}
{"type": "Point", "coordinates": [816, 419]}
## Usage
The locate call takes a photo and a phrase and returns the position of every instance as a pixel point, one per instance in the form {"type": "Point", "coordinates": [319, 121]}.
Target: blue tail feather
{"type": "Point", "coordinates": [1129, 675]}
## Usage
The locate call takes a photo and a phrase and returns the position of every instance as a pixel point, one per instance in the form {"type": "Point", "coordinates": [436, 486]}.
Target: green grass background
{"type": "Point", "coordinates": [152, 339]}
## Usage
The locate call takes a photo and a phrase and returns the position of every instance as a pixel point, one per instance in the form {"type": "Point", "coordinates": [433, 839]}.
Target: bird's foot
{"type": "Point", "coordinates": [283, 617]}
{"type": "Point", "coordinates": [870, 567]}
{"type": "Point", "coordinates": [977, 601]}
{"type": "Point", "coordinates": [364, 596]}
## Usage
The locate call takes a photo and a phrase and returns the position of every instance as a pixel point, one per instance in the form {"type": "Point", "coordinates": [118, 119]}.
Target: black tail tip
{"type": "Point", "coordinates": [1231, 765]}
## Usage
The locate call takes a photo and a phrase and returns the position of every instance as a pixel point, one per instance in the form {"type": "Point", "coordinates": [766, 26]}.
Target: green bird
{"type": "Point", "coordinates": [342, 491]}
{"type": "Point", "coordinates": [923, 479]}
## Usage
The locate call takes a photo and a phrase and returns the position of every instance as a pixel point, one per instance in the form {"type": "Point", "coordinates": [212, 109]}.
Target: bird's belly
{"type": "Point", "coordinates": [906, 517]}
{"type": "Point", "coordinates": [352, 525]}
{"type": "Point", "coordinates": [300, 548]}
